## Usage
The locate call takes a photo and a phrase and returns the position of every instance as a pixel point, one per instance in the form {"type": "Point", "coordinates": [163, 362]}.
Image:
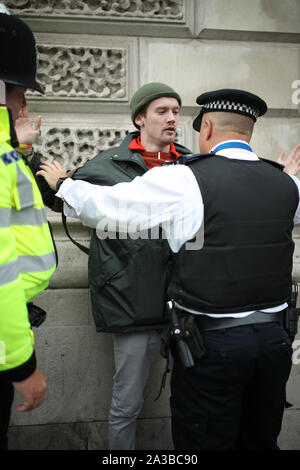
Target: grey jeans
{"type": "Point", "coordinates": [134, 354]}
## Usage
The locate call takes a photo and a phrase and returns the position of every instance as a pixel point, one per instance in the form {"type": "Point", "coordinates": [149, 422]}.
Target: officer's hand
{"type": "Point", "coordinates": [26, 133]}
{"type": "Point", "coordinates": [32, 390]}
{"type": "Point", "coordinates": [292, 162]}
{"type": "Point", "coordinates": [51, 172]}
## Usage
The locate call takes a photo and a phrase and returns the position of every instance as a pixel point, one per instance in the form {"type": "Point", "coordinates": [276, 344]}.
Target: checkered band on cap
{"type": "Point", "coordinates": [226, 105]}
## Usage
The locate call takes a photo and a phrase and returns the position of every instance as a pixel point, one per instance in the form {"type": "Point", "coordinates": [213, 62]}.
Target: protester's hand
{"type": "Point", "coordinates": [32, 390]}
{"type": "Point", "coordinates": [51, 172]}
{"type": "Point", "coordinates": [292, 162]}
{"type": "Point", "coordinates": [27, 134]}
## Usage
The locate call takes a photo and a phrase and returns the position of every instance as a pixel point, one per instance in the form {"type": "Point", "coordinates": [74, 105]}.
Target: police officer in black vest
{"type": "Point", "coordinates": [234, 396]}
{"type": "Point", "coordinates": [230, 286]}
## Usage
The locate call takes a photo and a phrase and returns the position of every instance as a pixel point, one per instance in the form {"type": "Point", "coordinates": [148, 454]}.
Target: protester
{"type": "Point", "coordinates": [127, 277]}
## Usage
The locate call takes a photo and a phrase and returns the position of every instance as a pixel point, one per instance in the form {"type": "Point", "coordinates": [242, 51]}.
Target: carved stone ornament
{"type": "Point", "coordinates": [82, 72]}
{"type": "Point", "coordinates": [159, 10]}
{"type": "Point", "coordinates": [72, 147]}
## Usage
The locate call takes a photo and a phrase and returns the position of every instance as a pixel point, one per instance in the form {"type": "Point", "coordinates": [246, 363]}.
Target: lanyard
{"type": "Point", "coordinates": [230, 145]}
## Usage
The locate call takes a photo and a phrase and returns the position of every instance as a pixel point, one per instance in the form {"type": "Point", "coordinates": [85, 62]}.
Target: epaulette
{"type": "Point", "coordinates": [271, 162]}
{"type": "Point", "coordinates": [185, 159]}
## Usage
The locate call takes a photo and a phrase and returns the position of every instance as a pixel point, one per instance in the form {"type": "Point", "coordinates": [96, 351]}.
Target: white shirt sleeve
{"type": "Point", "coordinates": [168, 197]}
{"type": "Point", "coordinates": [297, 213]}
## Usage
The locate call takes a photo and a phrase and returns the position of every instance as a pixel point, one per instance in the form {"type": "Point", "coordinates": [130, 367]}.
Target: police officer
{"type": "Point", "coordinates": [27, 257]}
{"type": "Point", "coordinates": [234, 278]}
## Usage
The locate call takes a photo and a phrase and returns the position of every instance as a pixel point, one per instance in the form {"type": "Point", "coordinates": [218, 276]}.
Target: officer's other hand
{"type": "Point", "coordinates": [292, 162]}
{"type": "Point", "coordinates": [32, 390]}
{"type": "Point", "coordinates": [52, 172]}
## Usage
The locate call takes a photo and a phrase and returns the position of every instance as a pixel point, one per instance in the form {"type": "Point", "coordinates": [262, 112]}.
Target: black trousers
{"type": "Point", "coordinates": [234, 397]}
{"type": "Point", "coordinates": [6, 399]}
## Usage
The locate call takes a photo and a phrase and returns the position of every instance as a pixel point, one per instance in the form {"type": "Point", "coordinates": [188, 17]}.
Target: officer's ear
{"type": "Point", "coordinates": [207, 128]}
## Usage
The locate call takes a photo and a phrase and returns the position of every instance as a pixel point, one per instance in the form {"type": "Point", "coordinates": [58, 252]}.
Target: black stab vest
{"type": "Point", "coordinates": [246, 260]}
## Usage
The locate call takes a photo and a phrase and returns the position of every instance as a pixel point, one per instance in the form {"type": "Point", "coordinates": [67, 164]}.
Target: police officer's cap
{"type": "Point", "coordinates": [18, 52]}
{"type": "Point", "coordinates": [230, 101]}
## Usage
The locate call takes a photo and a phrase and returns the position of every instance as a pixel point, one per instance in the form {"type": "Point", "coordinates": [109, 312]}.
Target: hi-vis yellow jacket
{"type": "Point", "coordinates": [27, 257]}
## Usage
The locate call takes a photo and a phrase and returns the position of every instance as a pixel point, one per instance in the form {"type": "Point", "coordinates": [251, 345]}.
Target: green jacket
{"type": "Point", "coordinates": [127, 277]}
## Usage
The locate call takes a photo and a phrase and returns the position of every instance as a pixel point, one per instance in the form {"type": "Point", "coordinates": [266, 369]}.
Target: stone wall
{"type": "Point", "coordinates": [92, 56]}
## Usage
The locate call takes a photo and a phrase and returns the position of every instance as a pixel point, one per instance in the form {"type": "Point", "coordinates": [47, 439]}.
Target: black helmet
{"type": "Point", "coordinates": [18, 53]}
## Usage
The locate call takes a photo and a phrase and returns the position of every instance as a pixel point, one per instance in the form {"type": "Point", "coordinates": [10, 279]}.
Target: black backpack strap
{"type": "Point", "coordinates": [81, 247]}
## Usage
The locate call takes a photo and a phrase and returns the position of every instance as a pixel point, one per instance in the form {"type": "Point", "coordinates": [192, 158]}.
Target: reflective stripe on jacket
{"type": "Point", "coordinates": [27, 257]}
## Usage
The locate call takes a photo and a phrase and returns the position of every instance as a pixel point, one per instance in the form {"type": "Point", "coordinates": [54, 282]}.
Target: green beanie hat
{"type": "Point", "coordinates": [148, 93]}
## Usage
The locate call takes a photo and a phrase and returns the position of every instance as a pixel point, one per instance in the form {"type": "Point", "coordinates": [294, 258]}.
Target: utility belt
{"type": "Point", "coordinates": [206, 323]}
{"type": "Point", "coordinates": [184, 335]}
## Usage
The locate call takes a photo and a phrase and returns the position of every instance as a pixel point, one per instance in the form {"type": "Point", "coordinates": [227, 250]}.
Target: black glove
{"type": "Point", "coordinates": [36, 315]}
